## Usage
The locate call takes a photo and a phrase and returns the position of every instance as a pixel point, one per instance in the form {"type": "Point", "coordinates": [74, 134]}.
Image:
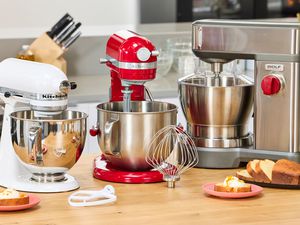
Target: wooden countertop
{"type": "Point", "coordinates": [155, 204]}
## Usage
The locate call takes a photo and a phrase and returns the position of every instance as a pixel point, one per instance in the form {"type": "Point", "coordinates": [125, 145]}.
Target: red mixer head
{"type": "Point", "coordinates": [132, 60]}
{"type": "Point", "coordinates": [132, 56]}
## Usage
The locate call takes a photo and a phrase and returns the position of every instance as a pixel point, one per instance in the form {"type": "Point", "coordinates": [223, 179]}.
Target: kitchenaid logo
{"type": "Point", "coordinates": [274, 67]}
{"type": "Point", "coordinates": [49, 96]}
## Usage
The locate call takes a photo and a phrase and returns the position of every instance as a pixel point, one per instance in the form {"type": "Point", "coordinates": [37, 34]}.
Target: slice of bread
{"type": "Point", "coordinates": [244, 175]}
{"type": "Point", "coordinates": [10, 197]}
{"type": "Point", "coordinates": [251, 168]}
{"type": "Point", "coordinates": [220, 187]}
{"type": "Point", "coordinates": [264, 171]}
{"type": "Point", "coordinates": [286, 172]}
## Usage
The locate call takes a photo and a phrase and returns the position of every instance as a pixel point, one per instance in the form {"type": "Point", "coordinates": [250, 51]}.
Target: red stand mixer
{"type": "Point", "coordinates": [132, 62]}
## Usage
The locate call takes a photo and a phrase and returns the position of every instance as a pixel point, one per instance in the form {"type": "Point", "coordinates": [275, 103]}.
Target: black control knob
{"type": "Point", "coordinates": [7, 94]}
{"type": "Point", "coordinates": [73, 85]}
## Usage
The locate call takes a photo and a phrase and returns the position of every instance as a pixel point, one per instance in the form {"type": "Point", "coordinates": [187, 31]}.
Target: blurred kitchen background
{"type": "Point", "coordinates": [22, 21]}
{"type": "Point", "coordinates": [167, 23]}
{"type": "Point", "coordinates": [36, 13]}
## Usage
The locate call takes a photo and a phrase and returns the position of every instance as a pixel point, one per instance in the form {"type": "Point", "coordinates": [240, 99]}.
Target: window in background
{"type": "Point", "coordinates": [190, 10]}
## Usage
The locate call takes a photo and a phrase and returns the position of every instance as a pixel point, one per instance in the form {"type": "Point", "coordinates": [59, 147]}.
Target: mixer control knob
{"type": "Point", "coordinates": [103, 60]}
{"type": "Point", "coordinates": [271, 84]}
{"type": "Point", "coordinates": [7, 94]}
{"type": "Point", "coordinates": [73, 85]}
{"type": "Point", "coordinates": [155, 53]}
{"type": "Point", "coordinates": [143, 54]}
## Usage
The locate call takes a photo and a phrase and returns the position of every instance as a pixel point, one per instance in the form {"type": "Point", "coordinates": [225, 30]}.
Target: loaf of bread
{"type": "Point", "coordinates": [264, 170]}
{"type": "Point", "coordinates": [260, 170]}
{"type": "Point", "coordinates": [10, 197]}
{"type": "Point", "coordinates": [232, 184]}
{"type": "Point", "coordinates": [286, 172]}
{"type": "Point", "coordinates": [251, 168]}
{"type": "Point", "coordinates": [282, 172]}
{"type": "Point", "coordinates": [244, 175]}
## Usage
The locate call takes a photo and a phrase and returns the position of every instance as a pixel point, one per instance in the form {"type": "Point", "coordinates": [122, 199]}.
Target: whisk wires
{"type": "Point", "coordinates": [172, 152]}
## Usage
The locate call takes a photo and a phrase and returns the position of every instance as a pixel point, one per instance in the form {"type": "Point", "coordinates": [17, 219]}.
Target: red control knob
{"type": "Point", "coordinates": [270, 85]}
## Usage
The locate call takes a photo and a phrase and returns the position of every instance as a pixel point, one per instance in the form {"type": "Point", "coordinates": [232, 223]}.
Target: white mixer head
{"type": "Point", "coordinates": [44, 87]}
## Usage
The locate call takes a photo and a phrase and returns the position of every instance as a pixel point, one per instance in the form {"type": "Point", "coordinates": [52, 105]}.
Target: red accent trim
{"type": "Point", "coordinates": [108, 173]}
{"type": "Point", "coordinates": [94, 132]}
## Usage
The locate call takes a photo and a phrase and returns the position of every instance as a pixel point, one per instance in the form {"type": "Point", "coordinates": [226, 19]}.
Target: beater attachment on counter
{"type": "Point", "coordinates": [93, 198]}
{"type": "Point", "coordinates": [171, 152]}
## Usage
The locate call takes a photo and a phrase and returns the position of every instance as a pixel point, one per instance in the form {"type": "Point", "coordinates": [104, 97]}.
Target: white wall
{"type": "Point", "coordinates": [44, 13]}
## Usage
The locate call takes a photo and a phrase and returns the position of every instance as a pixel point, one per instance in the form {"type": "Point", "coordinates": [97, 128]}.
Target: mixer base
{"type": "Point", "coordinates": [221, 158]}
{"type": "Point", "coordinates": [225, 143]}
{"type": "Point", "coordinates": [26, 184]}
{"type": "Point", "coordinates": [103, 170]}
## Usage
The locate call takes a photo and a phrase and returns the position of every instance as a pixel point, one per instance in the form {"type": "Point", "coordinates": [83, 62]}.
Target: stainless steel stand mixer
{"type": "Point", "coordinates": [218, 107]}
{"type": "Point", "coordinates": [40, 139]}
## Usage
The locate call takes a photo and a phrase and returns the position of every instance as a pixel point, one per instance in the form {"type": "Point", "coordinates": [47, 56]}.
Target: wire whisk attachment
{"type": "Point", "coordinates": [172, 152]}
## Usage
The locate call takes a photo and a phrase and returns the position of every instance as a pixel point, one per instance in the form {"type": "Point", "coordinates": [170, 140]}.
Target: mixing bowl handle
{"type": "Point", "coordinates": [35, 144]}
{"type": "Point", "coordinates": [94, 131]}
{"type": "Point", "coordinates": [111, 139]}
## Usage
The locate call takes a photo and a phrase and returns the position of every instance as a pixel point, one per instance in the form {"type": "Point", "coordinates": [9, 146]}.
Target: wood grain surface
{"type": "Point", "coordinates": [155, 204]}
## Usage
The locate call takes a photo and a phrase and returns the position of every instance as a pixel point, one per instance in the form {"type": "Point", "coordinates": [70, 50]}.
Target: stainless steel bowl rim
{"type": "Point", "coordinates": [203, 86]}
{"type": "Point", "coordinates": [46, 119]}
{"type": "Point", "coordinates": [138, 113]}
{"type": "Point", "coordinates": [184, 81]}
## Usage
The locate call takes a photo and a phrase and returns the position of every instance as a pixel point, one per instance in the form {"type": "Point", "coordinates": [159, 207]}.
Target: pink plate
{"type": "Point", "coordinates": [209, 189]}
{"type": "Point", "coordinates": [33, 201]}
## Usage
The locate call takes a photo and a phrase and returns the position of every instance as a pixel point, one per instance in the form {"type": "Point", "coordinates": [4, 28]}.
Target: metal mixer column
{"type": "Point", "coordinates": [126, 99]}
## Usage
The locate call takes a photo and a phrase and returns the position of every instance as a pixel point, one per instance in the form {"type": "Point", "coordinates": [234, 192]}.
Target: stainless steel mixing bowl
{"type": "Point", "coordinates": [48, 146]}
{"type": "Point", "coordinates": [124, 135]}
{"type": "Point", "coordinates": [217, 109]}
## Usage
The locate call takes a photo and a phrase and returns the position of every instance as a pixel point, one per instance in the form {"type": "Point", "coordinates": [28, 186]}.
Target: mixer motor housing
{"type": "Point", "coordinates": [132, 62]}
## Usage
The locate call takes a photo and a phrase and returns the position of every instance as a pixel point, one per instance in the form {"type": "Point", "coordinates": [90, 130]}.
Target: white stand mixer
{"type": "Point", "coordinates": [39, 87]}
